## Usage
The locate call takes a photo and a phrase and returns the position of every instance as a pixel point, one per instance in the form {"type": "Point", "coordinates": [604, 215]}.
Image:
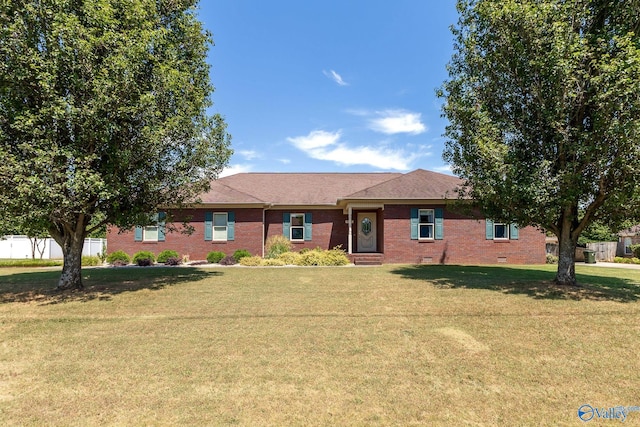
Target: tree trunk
{"type": "Point", "coordinates": [71, 243]}
{"type": "Point", "coordinates": [566, 275]}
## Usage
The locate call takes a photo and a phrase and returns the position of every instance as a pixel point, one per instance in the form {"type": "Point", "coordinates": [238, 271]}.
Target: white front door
{"type": "Point", "coordinates": [367, 232]}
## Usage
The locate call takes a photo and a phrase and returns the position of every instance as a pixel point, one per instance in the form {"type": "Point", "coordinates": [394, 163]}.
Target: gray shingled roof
{"type": "Point", "coordinates": [329, 188]}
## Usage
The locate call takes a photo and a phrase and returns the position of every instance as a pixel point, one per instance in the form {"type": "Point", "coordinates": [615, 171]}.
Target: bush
{"type": "Point", "coordinates": [144, 258]}
{"type": "Point", "coordinates": [332, 257]}
{"type": "Point", "coordinates": [228, 260]}
{"type": "Point", "coordinates": [636, 250]}
{"type": "Point", "coordinates": [118, 258]}
{"type": "Point", "coordinates": [165, 255]}
{"type": "Point", "coordinates": [621, 260]}
{"type": "Point", "coordinates": [241, 253]}
{"type": "Point", "coordinates": [277, 245]}
{"type": "Point", "coordinates": [91, 261]}
{"type": "Point", "coordinates": [336, 256]}
{"type": "Point", "coordinates": [173, 261]}
{"type": "Point", "coordinates": [215, 256]}
{"type": "Point", "coordinates": [251, 261]}
{"type": "Point", "coordinates": [272, 262]}
{"type": "Point", "coordinates": [552, 259]}
{"type": "Point", "coordinates": [311, 258]}
{"type": "Point", "coordinates": [290, 258]}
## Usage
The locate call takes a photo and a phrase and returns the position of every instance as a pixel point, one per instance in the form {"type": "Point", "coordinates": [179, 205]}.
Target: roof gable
{"type": "Point", "coordinates": [419, 184]}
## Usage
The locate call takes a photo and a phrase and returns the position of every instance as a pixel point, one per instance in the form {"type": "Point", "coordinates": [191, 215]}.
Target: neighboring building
{"type": "Point", "coordinates": [375, 217]}
{"type": "Point", "coordinates": [627, 238]}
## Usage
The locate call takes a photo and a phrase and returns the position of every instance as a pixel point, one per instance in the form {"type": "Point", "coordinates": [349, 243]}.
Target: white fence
{"type": "Point", "coordinates": [19, 247]}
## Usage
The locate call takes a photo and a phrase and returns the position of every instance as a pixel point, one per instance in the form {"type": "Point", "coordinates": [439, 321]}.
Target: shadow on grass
{"type": "Point", "coordinates": [534, 282]}
{"type": "Point", "coordinates": [99, 283]}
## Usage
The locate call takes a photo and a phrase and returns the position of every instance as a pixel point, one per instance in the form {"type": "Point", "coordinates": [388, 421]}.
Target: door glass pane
{"type": "Point", "coordinates": [366, 226]}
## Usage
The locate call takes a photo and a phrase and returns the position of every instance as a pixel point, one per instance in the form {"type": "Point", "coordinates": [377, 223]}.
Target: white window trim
{"type": "Point", "coordinates": [432, 224]}
{"type": "Point", "coordinates": [213, 226]}
{"type": "Point", "coordinates": [291, 227]}
{"type": "Point", "coordinates": [507, 230]}
{"type": "Point", "coordinates": [145, 238]}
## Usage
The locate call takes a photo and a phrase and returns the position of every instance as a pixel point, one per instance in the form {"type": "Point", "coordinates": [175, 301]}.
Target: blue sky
{"type": "Point", "coordinates": [330, 86]}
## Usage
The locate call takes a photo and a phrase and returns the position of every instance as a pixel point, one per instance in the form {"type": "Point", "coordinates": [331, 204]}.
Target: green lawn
{"type": "Point", "coordinates": [391, 345]}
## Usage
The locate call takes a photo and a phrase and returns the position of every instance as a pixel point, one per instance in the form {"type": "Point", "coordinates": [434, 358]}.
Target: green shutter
{"type": "Point", "coordinates": [489, 229]}
{"type": "Point", "coordinates": [138, 234]}
{"type": "Point", "coordinates": [162, 216]}
{"type": "Point", "coordinates": [414, 223]}
{"type": "Point", "coordinates": [308, 225]}
{"type": "Point", "coordinates": [231, 225]}
{"type": "Point", "coordinates": [439, 223]}
{"type": "Point", "coordinates": [286, 225]}
{"type": "Point", "coordinates": [208, 226]}
{"type": "Point", "coordinates": [513, 231]}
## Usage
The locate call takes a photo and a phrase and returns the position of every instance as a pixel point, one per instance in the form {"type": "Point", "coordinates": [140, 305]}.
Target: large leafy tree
{"type": "Point", "coordinates": [103, 115]}
{"type": "Point", "coordinates": [543, 103]}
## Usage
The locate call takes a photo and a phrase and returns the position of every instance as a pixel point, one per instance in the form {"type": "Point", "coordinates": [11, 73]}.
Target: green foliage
{"type": "Point", "coordinates": [104, 115]}
{"type": "Point", "coordinates": [277, 245]}
{"type": "Point", "coordinates": [215, 257]}
{"type": "Point", "coordinates": [241, 253]}
{"type": "Point", "coordinates": [89, 260]}
{"type": "Point", "coordinates": [333, 257]}
{"type": "Point", "coordinates": [552, 259]}
{"type": "Point", "coordinates": [290, 258]}
{"type": "Point", "coordinates": [144, 258]}
{"type": "Point", "coordinates": [30, 263]}
{"type": "Point", "coordinates": [597, 232]}
{"type": "Point", "coordinates": [251, 261]}
{"type": "Point", "coordinates": [636, 250]}
{"type": "Point", "coordinates": [272, 262]}
{"type": "Point", "coordinates": [622, 260]}
{"type": "Point", "coordinates": [166, 254]}
{"type": "Point", "coordinates": [118, 257]}
{"type": "Point", "coordinates": [544, 114]}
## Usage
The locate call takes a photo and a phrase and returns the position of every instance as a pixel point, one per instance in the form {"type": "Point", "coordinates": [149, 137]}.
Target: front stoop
{"type": "Point", "coordinates": [367, 259]}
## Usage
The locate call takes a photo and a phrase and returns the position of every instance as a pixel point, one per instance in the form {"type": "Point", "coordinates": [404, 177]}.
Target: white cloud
{"type": "Point", "coordinates": [323, 145]}
{"type": "Point", "coordinates": [234, 169]}
{"type": "Point", "coordinates": [285, 161]}
{"type": "Point", "coordinates": [335, 77]}
{"type": "Point", "coordinates": [397, 121]}
{"type": "Point", "coordinates": [249, 154]}
{"type": "Point", "coordinates": [444, 169]}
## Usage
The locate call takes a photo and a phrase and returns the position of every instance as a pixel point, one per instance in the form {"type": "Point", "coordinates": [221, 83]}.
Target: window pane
{"type": "Point", "coordinates": [297, 219]}
{"type": "Point", "coordinates": [426, 216]}
{"type": "Point", "coordinates": [501, 231]}
{"type": "Point", "coordinates": [426, 231]}
{"type": "Point", "coordinates": [220, 219]}
{"type": "Point", "coordinates": [219, 233]}
{"type": "Point", "coordinates": [297, 233]}
{"type": "Point", "coordinates": [151, 234]}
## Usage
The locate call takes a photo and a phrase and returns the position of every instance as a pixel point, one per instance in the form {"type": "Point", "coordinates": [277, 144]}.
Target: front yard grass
{"type": "Point", "coordinates": [390, 345]}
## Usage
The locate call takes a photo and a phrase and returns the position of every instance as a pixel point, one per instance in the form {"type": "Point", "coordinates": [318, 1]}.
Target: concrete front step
{"type": "Point", "coordinates": [367, 259]}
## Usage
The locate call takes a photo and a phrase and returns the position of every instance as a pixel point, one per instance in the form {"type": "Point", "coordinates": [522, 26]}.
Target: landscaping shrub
{"type": "Point", "coordinates": [228, 260]}
{"type": "Point", "coordinates": [165, 255]}
{"type": "Point", "coordinates": [241, 253]}
{"type": "Point", "coordinates": [271, 262]}
{"type": "Point", "coordinates": [173, 261]}
{"type": "Point", "coordinates": [332, 257]}
{"type": "Point", "coordinates": [311, 258]}
{"type": "Point", "coordinates": [277, 245]}
{"type": "Point", "coordinates": [622, 260]}
{"type": "Point", "coordinates": [144, 258]}
{"type": "Point", "coordinates": [215, 256]}
{"type": "Point", "coordinates": [118, 258]}
{"type": "Point", "coordinates": [91, 261]}
{"type": "Point", "coordinates": [251, 261]}
{"type": "Point", "coordinates": [290, 258]}
{"type": "Point", "coordinates": [552, 259]}
{"type": "Point", "coordinates": [636, 250]}
{"type": "Point", "coordinates": [336, 256]}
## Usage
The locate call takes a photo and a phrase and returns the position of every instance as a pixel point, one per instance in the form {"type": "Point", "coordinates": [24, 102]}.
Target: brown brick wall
{"type": "Point", "coordinates": [464, 238]}
{"type": "Point", "coordinates": [248, 235]}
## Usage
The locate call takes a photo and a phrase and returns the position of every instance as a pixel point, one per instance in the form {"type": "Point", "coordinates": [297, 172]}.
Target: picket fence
{"type": "Point", "coordinates": [19, 247]}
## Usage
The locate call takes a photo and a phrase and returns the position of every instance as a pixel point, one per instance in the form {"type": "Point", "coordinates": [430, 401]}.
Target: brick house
{"type": "Point", "coordinates": [375, 217]}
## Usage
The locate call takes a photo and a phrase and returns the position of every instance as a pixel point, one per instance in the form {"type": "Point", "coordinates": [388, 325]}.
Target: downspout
{"type": "Point", "coordinates": [350, 239]}
{"type": "Point", "coordinates": [264, 229]}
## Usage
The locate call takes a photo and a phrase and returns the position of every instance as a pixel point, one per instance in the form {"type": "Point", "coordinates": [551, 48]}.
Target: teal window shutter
{"type": "Point", "coordinates": [137, 236]}
{"type": "Point", "coordinates": [231, 225]}
{"type": "Point", "coordinates": [513, 231]}
{"type": "Point", "coordinates": [414, 223]}
{"type": "Point", "coordinates": [208, 226]}
{"type": "Point", "coordinates": [286, 224]}
{"type": "Point", "coordinates": [439, 223]}
{"type": "Point", "coordinates": [308, 225]}
{"type": "Point", "coordinates": [162, 216]}
{"type": "Point", "coordinates": [489, 229]}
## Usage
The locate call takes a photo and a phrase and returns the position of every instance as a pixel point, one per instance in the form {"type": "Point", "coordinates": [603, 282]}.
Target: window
{"type": "Point", "coordinates": [220, 226]}
{"type": "Point", "coordinates": [153, 232]}
{"type": "Point", "coordinates": [425, 224]}
{"type": "Point", "coordinates": [501, 231]}
{"type": "Point", "coordinates": [627, 246]}
{"type": "Point", "coordinates": [297, 227]}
